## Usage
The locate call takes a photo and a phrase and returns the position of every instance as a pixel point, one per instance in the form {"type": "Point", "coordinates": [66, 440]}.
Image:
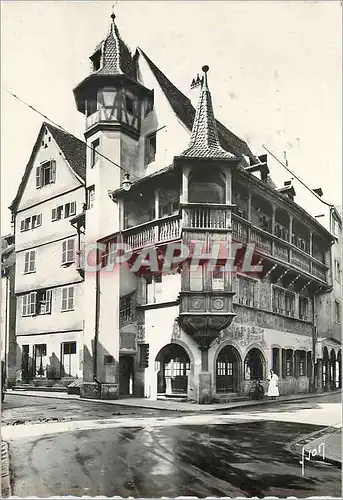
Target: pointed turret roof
{"type": "Point", "coordinates": [204, 142]}
{"type": "Point", "coordinates": [116, 57]}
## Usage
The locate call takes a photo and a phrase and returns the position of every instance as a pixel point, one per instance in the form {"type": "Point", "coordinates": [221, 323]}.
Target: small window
{"type": "Point", "coordinates": [289, 304]}
{"type": "Point", "coordinates": [90, 197]}
{"type": "Point", "coordinates": [36, 221]}
{"type": "Point", "coordinates": [30, 262]}
{"type": "Point", "coordinates": [303, 308]}
{"type": "Point", "coordinates": [130, 104]}
{"type": "Point", "coordinates": [29, 304]}
{"type": "Point", "coordinates": [25, 224]}
{"type": "Point", "coordinates": [43, 302]}
{"type": "Point", "coordinates": [69, 209]}
{"type": "Point", "coordinates": [46, 174]}
{"type": "Point", "coordinates": [149, 105]}
{"type": "Point", "coordinates": [69, 348]}
{"type": "Point", "coordinates": [68, 251]}
{"type": "Point", "coordinates": [95, 152]}
{"type": "Point", "coordinates": [126, 308]}
{"type": "Point", "coordinates": [67, 299]}
{"type": "Point", "coordinates": [196, 278]}
{"type": "Point", "coordinates": [337, 271]}
{"type": "Point", "coordinates": [218, 278]}
{"type": "Point", "coordinates": [337, 312]}
{"type": "Point", "coordinates": [150, 148]}
{"type": "Point", "coordinates": [57, 213]}
{"type": "Point", "coordinates": [108, 360]}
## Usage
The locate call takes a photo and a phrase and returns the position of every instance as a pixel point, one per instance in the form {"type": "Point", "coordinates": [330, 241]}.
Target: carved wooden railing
{"type": "Point", "coordinates": [207, 217]}
{"type": "Point", "coordinates": [152, 232]}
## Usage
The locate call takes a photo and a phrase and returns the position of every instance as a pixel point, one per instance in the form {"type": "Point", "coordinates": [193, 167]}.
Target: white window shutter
{"type": "Point", "coordinates": [53, 171]}
{"type": "Point", "coordinates": [54, 214]}
{"type": "Point", "coordinates": [27, 261]}
{"type": "Point", "coordinates": [32, 265]}
{"type": "Point", "coordinates": [48, 300]}
{"type": "Point", "coordinates": [32, 303]}
{"type": "Point", "coordinates": [39, 220]}
{"type": "Point", "coordinates": [38, 177]}
{"type": "Point", "coordinates": [64, 252]}
{"type": "Point", "coordinates": [24, 305]}
{"type": "Point", "coordinates": [72, 208]}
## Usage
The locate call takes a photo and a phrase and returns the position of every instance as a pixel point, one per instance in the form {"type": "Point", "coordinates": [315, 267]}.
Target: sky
{"type": "Point", "coordinates": [275, 75]}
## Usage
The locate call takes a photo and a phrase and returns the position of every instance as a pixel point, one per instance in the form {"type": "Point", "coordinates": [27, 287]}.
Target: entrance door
{"type": "Point", "coordinates": [39, 360]}
{"type": "Point", "coordinates": [25, 369]}
{"type": "Point", "coordinates": [69, 359]}
{"type": "Point", "coordinates": [126, 375]}
{"type": "Point", "coordinates": [227, 370]}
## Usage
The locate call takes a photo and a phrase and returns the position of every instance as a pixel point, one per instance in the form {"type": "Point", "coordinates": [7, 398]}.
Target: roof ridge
{"type": "Point", "coordinates": [185, 111]}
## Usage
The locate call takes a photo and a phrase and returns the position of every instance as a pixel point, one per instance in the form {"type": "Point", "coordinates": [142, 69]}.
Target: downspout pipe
{"type": "Point", "coordinates": [97, 315]}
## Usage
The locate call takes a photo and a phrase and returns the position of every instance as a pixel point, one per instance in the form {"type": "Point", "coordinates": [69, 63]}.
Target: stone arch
{"type": "Point", "coordinates": [255, 365]}
{"type": "Point", "coordinates": [174, 362]}
{"type": "Point", "coordinates": [227, 368]}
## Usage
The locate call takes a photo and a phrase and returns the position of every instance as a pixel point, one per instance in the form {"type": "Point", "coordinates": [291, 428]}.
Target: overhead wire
{"type": "Point", "coordinates": [298, 178]}
{"type": "Point", "coordinates": [130, 173]}
{"type": "Point", "coordinates": [69, 133]}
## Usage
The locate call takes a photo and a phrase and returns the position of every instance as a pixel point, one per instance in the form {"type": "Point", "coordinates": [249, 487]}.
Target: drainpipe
{"type": "Point", "coordinates": [96, 329]}
{"type": "Point", "coordinates": [6, 325]}
{"type": "Point", "coordinates": [314, 342]}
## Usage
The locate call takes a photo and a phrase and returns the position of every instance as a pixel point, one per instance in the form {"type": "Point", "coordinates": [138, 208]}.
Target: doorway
{"type": "Point", "coordinates": [173, 369]}
{"type": "Point", "coordinates": [126, 380]}
{"type": "Point", "coordinates": [228, 370]}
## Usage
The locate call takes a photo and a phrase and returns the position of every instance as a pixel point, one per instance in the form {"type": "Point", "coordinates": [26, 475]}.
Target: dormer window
{"type": "Point", "coordinates": [96, 60]}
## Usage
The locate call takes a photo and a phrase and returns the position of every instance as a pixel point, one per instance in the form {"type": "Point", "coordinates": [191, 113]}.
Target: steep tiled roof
{"type": "Point", "coordinates": [73, 149]}
{"type": "Point", "coordinates": [204, 142]}
{"type": "Point", "coordinates": [185, 111]}
{"type": "Point", "coordinates": [116, 58]}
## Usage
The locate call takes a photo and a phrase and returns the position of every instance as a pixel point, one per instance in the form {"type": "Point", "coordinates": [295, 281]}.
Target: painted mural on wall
{"type": "Point", "coordinates": [243, 335]}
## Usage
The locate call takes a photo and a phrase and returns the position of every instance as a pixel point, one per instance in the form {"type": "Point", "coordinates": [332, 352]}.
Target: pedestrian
{"type": "Point", "coordinates": [273, 390]}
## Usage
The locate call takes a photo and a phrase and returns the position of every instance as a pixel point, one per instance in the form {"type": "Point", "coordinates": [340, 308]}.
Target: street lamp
{"type": "Point", "coordinates": [126, 184]}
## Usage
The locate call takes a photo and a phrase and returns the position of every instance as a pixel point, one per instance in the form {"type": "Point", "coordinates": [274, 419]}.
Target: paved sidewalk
{"type": "Point", "coordinates": [5, 472]}
{"type": "Point", "coordinates": [173, 405]}
{"type": "Point", "coordinates": [323, 445]}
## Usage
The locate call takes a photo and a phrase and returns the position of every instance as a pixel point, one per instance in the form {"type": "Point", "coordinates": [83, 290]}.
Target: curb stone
{"type": "Point", "coordinates": [189, 408]}
{"type": "Point", "coordinates": [5, 471]}
{"type": "Point", "coordinates": [297, 445]}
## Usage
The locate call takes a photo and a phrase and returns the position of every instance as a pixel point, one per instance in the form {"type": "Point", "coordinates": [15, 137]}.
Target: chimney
{"type": "Point", "coordinates": [195, 90]}
{"type": "Point", "coordinates": [318, 191]}
{"type": "Point", "coordinates": [288, 190]}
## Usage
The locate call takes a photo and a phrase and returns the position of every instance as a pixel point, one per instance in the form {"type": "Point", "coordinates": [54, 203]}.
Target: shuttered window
{"type": "Point", "coordinates": [46, 174]}
{"type": "Point", "coordinates": [44, 299]}
{"type": "Point", "coordinates": [29, 304]}
{"type": "Point", "coordinates": [30, 262]}
{"type": "Point", "coordinates": [67, 299]}
{"type": "Point", "coordinates": [68, 251]}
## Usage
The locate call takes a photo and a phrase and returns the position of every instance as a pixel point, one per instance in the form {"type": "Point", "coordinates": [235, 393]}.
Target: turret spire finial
{"type": "Point", "coordinates": [205, 70]}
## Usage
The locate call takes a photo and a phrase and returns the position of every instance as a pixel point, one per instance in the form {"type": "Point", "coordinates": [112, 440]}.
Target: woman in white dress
{"type": "Point", "coordinates": [273, 390]}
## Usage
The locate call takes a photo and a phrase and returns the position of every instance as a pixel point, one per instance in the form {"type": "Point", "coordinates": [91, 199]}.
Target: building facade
{"type": "Point", "coordinates": [159, 173]}
{"type": "Point", "coordinates": [8, 309]}
{"type": "Point", "coordinates": [48, 284]}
